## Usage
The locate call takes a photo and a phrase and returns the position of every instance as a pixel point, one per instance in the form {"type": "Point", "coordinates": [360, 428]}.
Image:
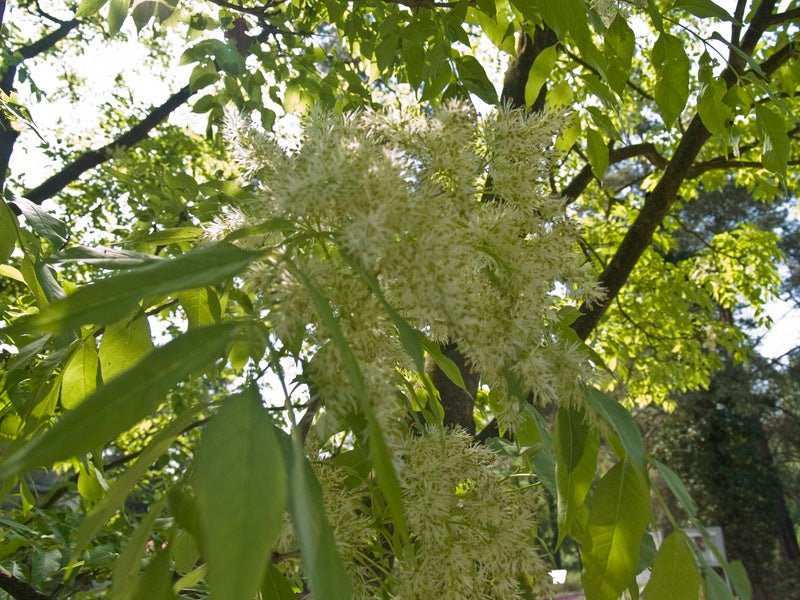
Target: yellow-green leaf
{"type": "Point", "coordinates": [122, 402]}
{"type": "Point", "coordinates": [619, 512]}
{"type": "Point", "coordinates": [672, 76]}
{"type": "Point", "coordinates": [675, 575]}
{"type": "Point", "coordinates": [576, 444]}
{"type": "Point", "coordinates": [540, 70]}
{"type": "Point", "coordinates": [117, 13]}
{"type": "Point", "coordinates": [80, 374]}
{"type": "Point", "coordinates": [123, 344]}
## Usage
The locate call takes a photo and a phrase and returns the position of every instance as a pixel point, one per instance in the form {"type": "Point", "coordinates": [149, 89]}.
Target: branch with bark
{"type": "Point", "coordinates": [92, 158]}
{"type": "Point", "coordinates": [18, 589]}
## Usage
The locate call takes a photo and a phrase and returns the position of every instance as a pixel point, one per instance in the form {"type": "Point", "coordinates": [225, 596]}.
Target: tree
{"type": "Point", "coordinates": [317, 240]}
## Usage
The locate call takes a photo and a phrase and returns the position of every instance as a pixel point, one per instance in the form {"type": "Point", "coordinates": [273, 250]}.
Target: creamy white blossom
{"type": "Point", "coordinates": [447, 222]}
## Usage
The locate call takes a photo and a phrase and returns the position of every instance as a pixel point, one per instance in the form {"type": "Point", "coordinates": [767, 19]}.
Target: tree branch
{"type": "Point", "coordinates": [722, 163]}
{"type": "Point", "coordinates": [779, 18]}
{"type": "Point", "coordinates": [18, 589]}
{"type": "Point", "coordinates": [92, 158]}
{"type": "Point", "coordinates": [48, 41]}
{"type": "Point", "coordinates": [584, 177]}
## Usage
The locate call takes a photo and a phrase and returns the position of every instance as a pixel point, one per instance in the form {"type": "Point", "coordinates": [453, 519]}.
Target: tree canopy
{"type": "Point", "coordinates": [366, 353]}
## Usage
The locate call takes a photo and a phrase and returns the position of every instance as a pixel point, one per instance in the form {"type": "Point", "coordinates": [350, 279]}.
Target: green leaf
{"type": "Point", "coordinates": [445, 364]}
{"type": "Point", "coordinates": [714, 113]}
{"type": "Point", "coordinates": [622, 421]}
{"type": "Point", "coordinates": [576, 444]}
{"type": "Point", "coordinates": [241, 495]}
{"type": "Point", "coordinates": [44, 565]}
{"type": "Point", "coordinates": [620, 43]}
{"type": "Point", "coordinates": [773, 133]}
{"type": "Point", "coordinates": [414, 58]}
{"type": "Point", "coordinates": [90, 487]}
{"type": "Point", "coordinates": [672, 77]}
{"type": "Point", "coordinates": [89, 7]}
{"type": "Point", "coordinates": [540, 70]}
{"type": "Point", "coordinates": [117, 492]}
{"type": "Point", "coordinates": [322, 566]}
{"type": "Point", "coordinates": [108, 258]}
{"type": "Point", "coordinates": [675, 575]}
{"type": "Point", "coordinates": [54, 230]}
{"type": "Point", "coordinates": [117, 13]}
{"type": "Point", "coordinates": [715, 587]}
{"type": "Point", "coordinates": [597, 151]}
{"type": "Point", "coordinates": [123, 344]}
{"type": "Point", "coordinates": [203, 75]}
{"type": "Point", "coordinates": [191, 579]}
{"type": "Point", "coordinates": [677, 488]}
{"type": "Point", "coordinates": [738, 576]}
{"type": "Point", "coordinates": [8, 231]}
{"type": "Point", "coordinates": [122, 402]}
{"type": "Point", "coordinates": [127, 565]}
{"type": "Point", "coordinates": [80, 374]}
{"type": "Point", "coordinates": [111, 299]}
{"type": "Point", "coordinates": [704, 9]}
{"type": "Point", "coordinates": [474, 79]}
{"type": "Point", "coordinates": [173, 235]}
{"type": "Point", "coordinates": [156, 580]}
{"type": "Point", "coordinates": [201, 307]}
{"type": "Point", "coordinates": [619, 512]}
{"type": "Point", "coordinates": [276, 586]}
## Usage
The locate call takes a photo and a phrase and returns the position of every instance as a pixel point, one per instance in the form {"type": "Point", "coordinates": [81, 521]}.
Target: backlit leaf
{"type": "Point", "coordinates": [80, 374]}
{"type": "Point", "coordinates": [672, 76]}
{"type": "Point", "coordinates": [772, 132]}
{"type": "Point", "coordinates": [540, 70]}
{"type": "Point", "coordinates": [617, 416]}
{"type": "Point", "coordinates": [123, 344]}
{"type": "Point", "coordinates": [619, 512]}
{"type": "Point", "coordinates": [620, 43]}
{"type": "Point", "coordinates": [117, 13]}
{"type": "Point", "coordinates": [675, 575]}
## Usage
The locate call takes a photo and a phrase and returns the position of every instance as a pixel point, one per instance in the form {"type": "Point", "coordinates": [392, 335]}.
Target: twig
{"type": "Point", "coordinates": [18, 589]}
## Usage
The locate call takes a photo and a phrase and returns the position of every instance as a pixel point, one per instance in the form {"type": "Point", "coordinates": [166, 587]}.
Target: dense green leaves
{"type": "Point", "coordinates": [241, 495]}
{"type": "Point", "coordinates": [110, 299]}
{"type": "Point", "coordinates": [120, 403]}
{"type": "Point", "coordinates": [672, 76]}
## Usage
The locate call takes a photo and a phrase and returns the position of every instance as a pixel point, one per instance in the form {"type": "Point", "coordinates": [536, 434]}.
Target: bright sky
{"type": "Point", "coordinates": [103, 62]}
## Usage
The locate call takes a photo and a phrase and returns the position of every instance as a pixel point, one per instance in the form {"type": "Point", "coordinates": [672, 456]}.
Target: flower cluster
{"type": "Point", "coordinates": [473, 529]}
{"type": "Point", "coordinates": [451, 215]}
